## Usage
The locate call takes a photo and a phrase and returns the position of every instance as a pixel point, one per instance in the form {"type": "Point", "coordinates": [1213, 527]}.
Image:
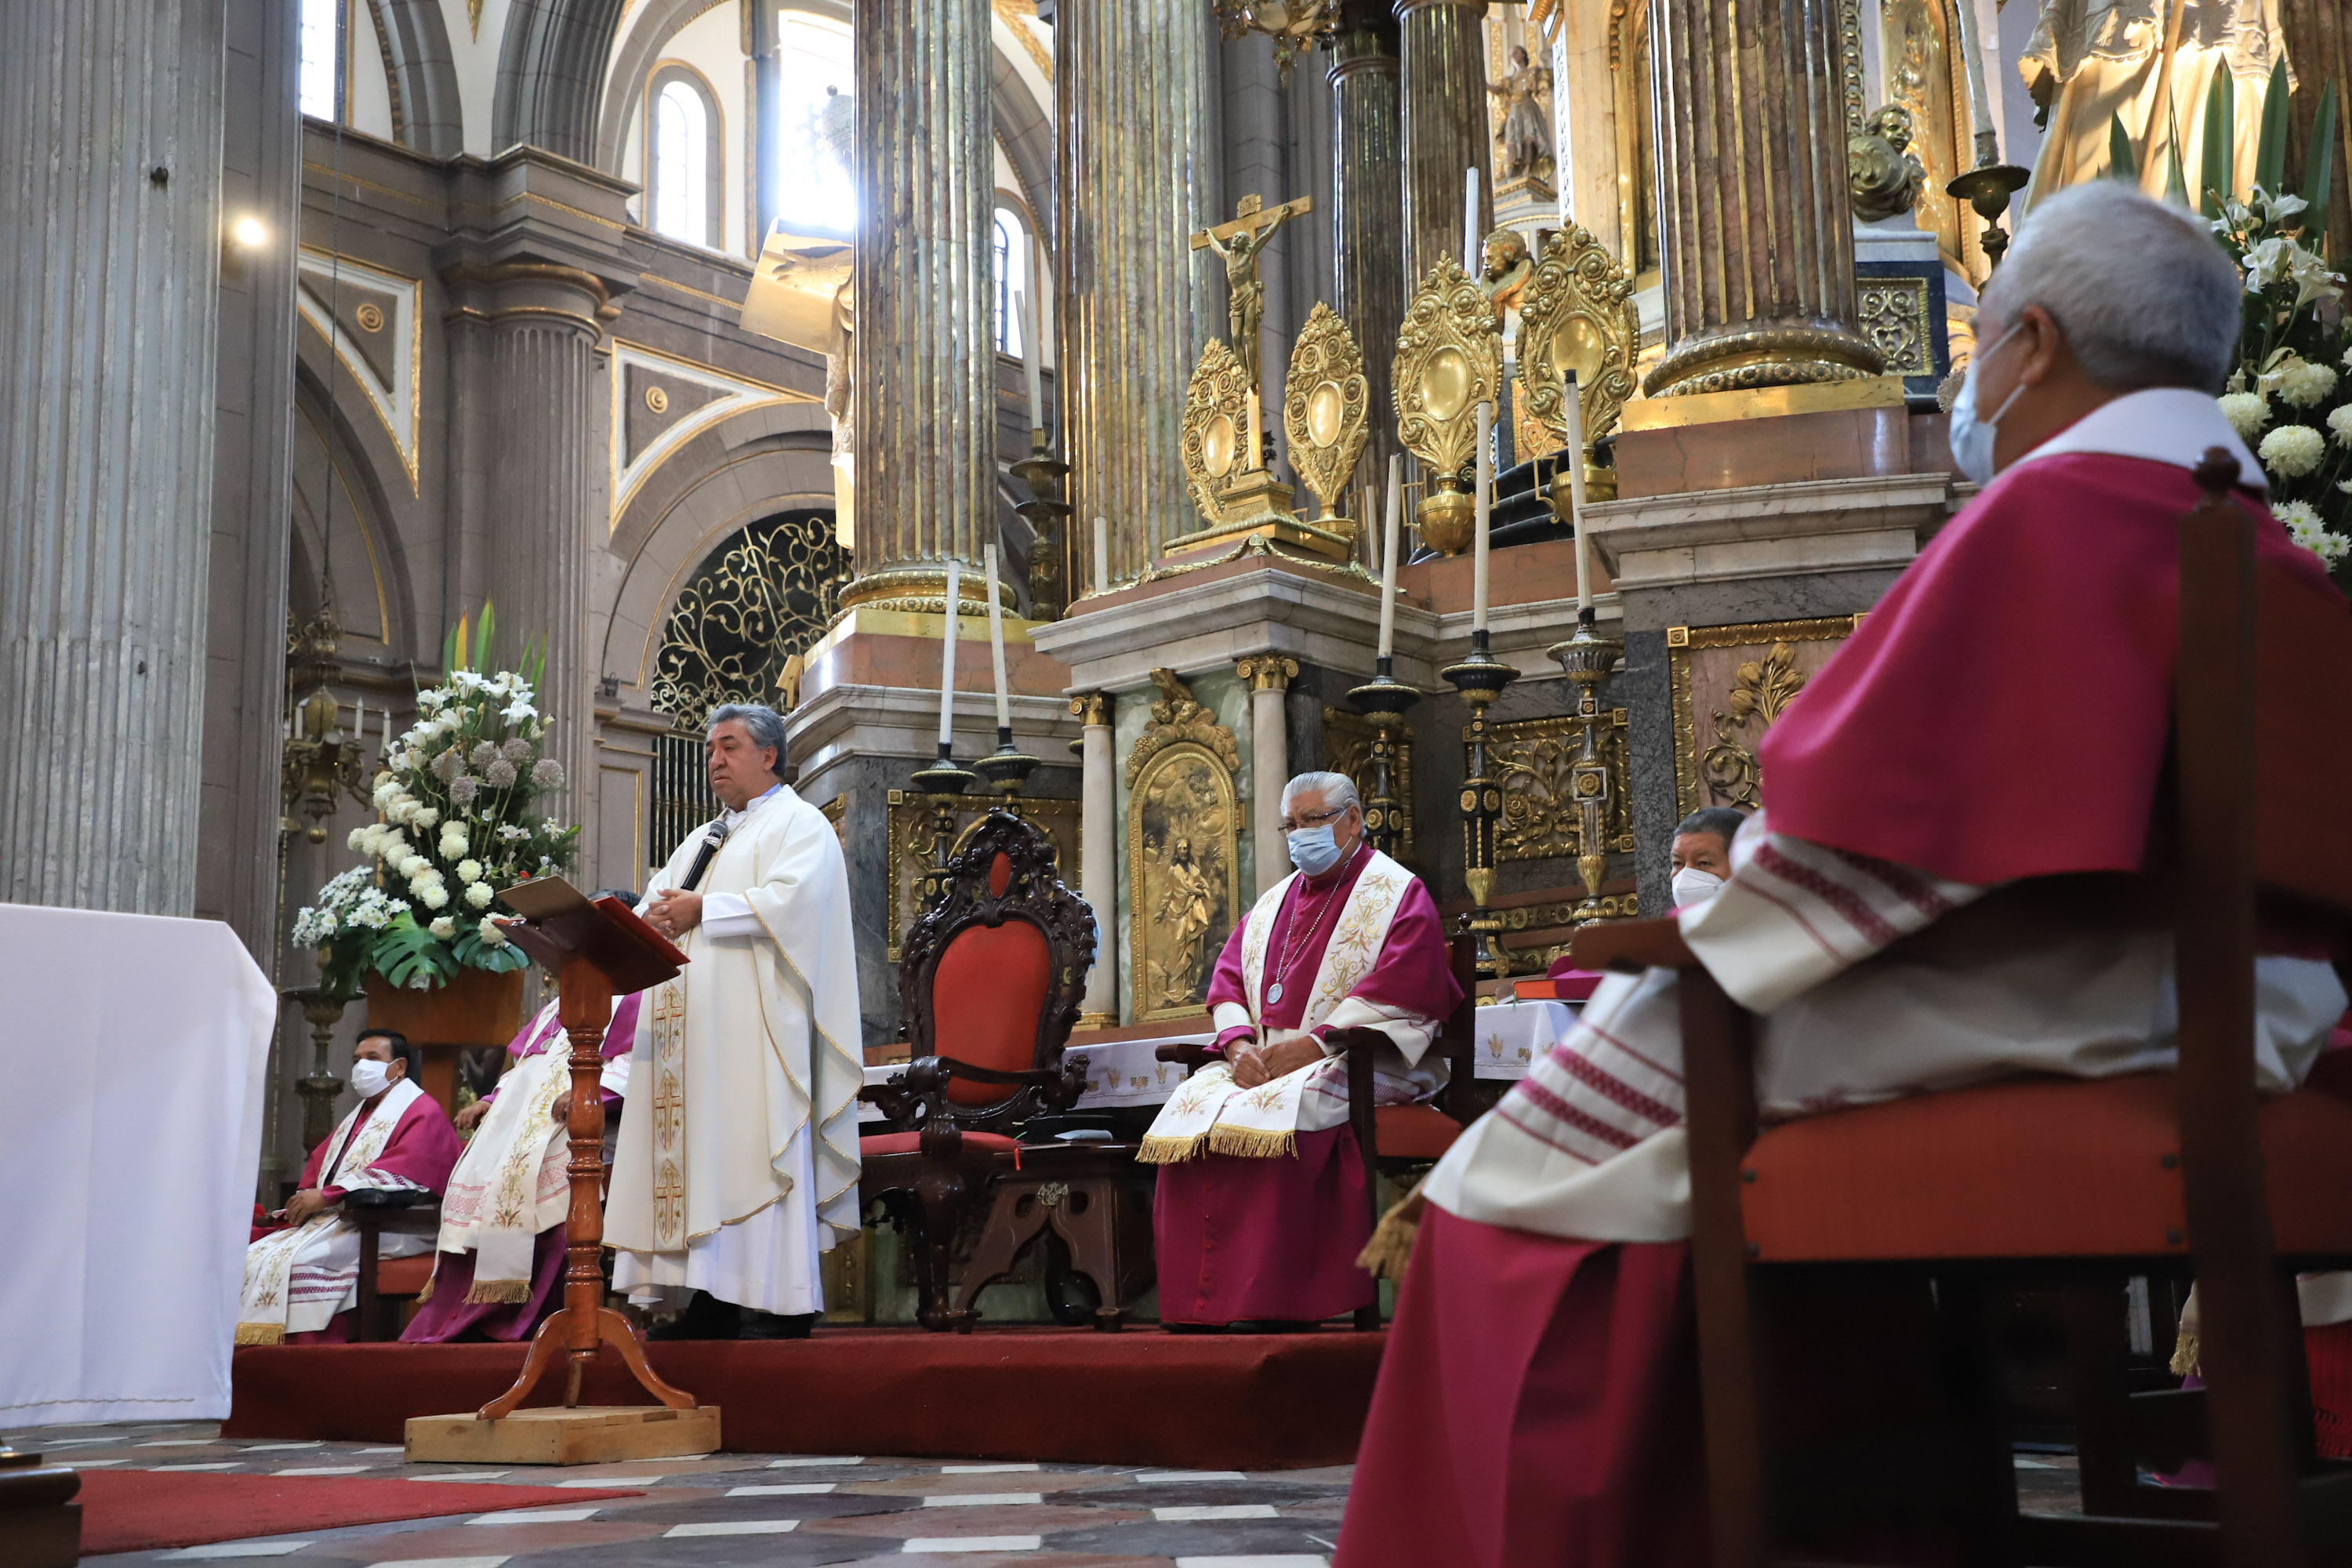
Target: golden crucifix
{"type": "Point", "coordinates": [1239, 242]}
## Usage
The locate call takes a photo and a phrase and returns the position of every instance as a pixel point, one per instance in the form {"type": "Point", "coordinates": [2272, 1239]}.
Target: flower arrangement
{"type": "Point", "coordinates": [456, 795]}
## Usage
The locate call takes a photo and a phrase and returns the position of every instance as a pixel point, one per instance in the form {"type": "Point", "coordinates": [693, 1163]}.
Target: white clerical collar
{"type": "Point", "coordinates": [2162, 424]}
{"type": "Point", "coordinates": [734, 817]}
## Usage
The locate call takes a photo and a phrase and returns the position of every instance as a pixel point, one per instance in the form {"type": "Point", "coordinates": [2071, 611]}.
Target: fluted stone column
{"type": "Point", "coordinates": [924, 371]}
{"type": "Point", "coordinates": [110, 180]}
{"type": "Point", "coordinates": [1367, 208]}
{"type": "Point", "coordinates": [1755, 233]}
{"type": "Point", "coordinates": [1130, 91]}
{"type": "Point", "coordinates": [1443, 88]}
{"type": "Point", "coordinates": [1099, 851]}
{"type": "Point", "coordinates": [533, 332]}
{"type": "Point", "coordinates": [1269, 677]}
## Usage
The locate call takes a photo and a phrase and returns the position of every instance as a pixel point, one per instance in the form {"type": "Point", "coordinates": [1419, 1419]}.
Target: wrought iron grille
{"type": "Point", "coordinates": [762, 596]}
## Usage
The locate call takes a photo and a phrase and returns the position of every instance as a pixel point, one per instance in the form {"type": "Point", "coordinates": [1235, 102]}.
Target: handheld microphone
{"type": "Point", "coordinates": [711, 840]}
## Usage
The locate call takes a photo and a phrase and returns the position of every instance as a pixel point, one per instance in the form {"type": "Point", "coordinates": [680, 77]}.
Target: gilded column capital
{"type": "Point", "coordinates": [1091, 709]}
{"type": "Point", "coordinates": [1267, 671]}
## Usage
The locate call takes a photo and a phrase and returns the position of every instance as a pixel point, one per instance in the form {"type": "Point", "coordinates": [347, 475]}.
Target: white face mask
{"type": "Point", "coordinates": [370, 1078]}
{"type": "Point", "coordinates": [1693, 886]}
{"type": "Point", "coordinates": [1972, 438]}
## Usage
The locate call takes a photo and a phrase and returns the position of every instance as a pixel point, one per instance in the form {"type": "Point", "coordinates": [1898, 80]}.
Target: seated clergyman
{"type": "Point", "coordinates": [301, 1283]}
{"type": "Point", "coordinates": [1261, 1208]}
{"type": "Point", "coordinates": [2003, 714]}
{"type": "Point", "coordinates": [501, 1250]}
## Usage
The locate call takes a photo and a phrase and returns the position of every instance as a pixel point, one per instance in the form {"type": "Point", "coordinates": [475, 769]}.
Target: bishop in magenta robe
{"type": "Point", "coordinates": [1262, 1207]}
{"type": "Point", "coordinates": [2003, 714]}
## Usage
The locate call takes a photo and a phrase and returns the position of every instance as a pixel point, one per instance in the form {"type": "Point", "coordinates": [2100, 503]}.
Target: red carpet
{"type": "Point", "coordinates": [141, 1510]}
{"type": "Point", "coordinates": [1206, 1402]}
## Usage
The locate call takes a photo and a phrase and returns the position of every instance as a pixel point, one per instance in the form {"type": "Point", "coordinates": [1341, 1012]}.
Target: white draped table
{"type": "Point", "coordinates": [130, 1092]}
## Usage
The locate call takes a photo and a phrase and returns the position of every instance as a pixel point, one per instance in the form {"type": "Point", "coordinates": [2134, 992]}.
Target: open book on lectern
{"type": "Point", "coordinates": [561, 922]}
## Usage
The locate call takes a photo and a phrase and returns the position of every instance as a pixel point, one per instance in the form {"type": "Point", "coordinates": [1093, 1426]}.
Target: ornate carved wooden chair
{"type": "Point", "coordinates": [989, 983]}
{"type": "Point", "coordinates": [1922, 1202]}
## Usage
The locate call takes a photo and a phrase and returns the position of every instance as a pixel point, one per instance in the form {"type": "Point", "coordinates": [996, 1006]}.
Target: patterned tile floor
{"type": "Point", "coordinates": [774, 1510]}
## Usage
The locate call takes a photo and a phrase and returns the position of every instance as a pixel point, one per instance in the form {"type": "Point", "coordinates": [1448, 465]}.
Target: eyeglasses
{"type": "Point", "coordinates": [1315, 819]}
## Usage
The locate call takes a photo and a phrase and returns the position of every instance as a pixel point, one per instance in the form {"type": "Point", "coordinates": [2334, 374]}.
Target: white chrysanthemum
{"type": "Point", "coordinates": [2305, 385]}
{"type": "Point", "coordinates": [2247, 412]}
{"type": "Point", "coordinates": [2339, 420]}
{"type": "Point", "coordinates": [480, 895]}
{"type": "Point", "coordinates": [444, 928]}
{"type": "Point", "coordinates": [491, 935]}
{"type": "Point", "coordinates": [2292, 451]}
{"type": "Point", "coordinates": [470, 871]}
{"type": "Point", "coordinates": [2303, 525]}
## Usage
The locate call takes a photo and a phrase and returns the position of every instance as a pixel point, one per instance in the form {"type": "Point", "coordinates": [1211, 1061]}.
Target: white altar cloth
{"type": "Point", "coordinates": [131, 1094]}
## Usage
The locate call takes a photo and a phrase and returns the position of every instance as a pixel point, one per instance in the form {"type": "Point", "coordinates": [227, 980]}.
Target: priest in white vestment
{"type": "Point", "coordinates": [301, 1283]}
{"type": "Point", "coordinates": [738, 1163]}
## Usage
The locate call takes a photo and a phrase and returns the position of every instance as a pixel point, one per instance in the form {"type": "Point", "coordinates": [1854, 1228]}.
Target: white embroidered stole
{"type": "Point", "coordinates": [1262, 1122]}
{"type": "Point", "coordinates": [270, 1262]}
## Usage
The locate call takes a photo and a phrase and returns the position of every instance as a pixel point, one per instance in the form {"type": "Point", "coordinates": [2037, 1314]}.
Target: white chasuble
{"type": "Point", "coordinates": [739, 1161]}
{"type": "Point", "coordinates": [1210, 1115]}
{"type": "Point", "coordinates": [297, 1278]}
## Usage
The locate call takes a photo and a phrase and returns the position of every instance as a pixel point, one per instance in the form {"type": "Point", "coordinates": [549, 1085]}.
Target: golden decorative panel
{"type": "Point", "coordinates": [1326, 405]}
{"type": "Point", "coordinates": [1893, 314]}
{"type": "Point", "coordinates": [1216, 428]}
{"type": "Point", "coordinates": [909, 847]}
{"type": "Point", "coordinates": [1449, 360]}
{"type": "Point", "coordinates": [1728, 684]}
{"type": "Point", "coordinates": [1347, 749]}
{"type": "Point", "coordinates": [1183, 852]}
{"type": "Point", "coordinates": [1576, 314]}
{"type": "Point", "coordinates": [1535, 761]}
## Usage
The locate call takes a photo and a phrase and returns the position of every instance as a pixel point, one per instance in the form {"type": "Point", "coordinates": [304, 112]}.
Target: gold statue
{"type": "Point", "coordinates": [1240, 242]}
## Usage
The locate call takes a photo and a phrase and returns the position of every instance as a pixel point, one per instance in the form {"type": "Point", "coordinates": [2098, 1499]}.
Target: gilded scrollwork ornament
{"type": "Point", "coordinates": [1326, 407]}
{"type": "Point", "coordinates": [1449, 360]}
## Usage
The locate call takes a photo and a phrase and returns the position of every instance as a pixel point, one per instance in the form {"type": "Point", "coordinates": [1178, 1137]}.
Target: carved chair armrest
{"type": "Point", "coordinates": [1192, 1056]}
{"type": "Point", "coordinates": [1628, 947]}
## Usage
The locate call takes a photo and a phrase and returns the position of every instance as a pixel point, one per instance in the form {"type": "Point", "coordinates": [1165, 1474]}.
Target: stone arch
{"type": "Point", "coordinates": [423, 75]}
{"type": "Point", "coordinates": [550, 74]}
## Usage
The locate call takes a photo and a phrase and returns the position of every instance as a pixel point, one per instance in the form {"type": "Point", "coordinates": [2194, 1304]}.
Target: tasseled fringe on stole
{"type": "Point", "coordinates": [1157, 1150]}
{"type": "Point", "coordinates": [1385, 1255]}
{"type": "Point", "coordinates": [497, 1293]}
{"type": "Point", "coordinates": [1252, 1144]}
{"type": "Point", "coordinates": [2184, 1355]}
{"type": "Point", "coordinates": [260, 1333]}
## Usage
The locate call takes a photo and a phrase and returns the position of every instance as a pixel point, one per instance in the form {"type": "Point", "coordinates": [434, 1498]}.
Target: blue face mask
{"type": "Point", "coordinates": [1314, 850]}
{"type": "Point", "coordinates": [1972, 438]}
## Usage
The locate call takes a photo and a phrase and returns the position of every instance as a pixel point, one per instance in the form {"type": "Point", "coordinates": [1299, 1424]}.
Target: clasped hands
{"type": "Point", "coordinates": [674, 912]}
{"type": "Point", "coordinates": [1254, 1063]}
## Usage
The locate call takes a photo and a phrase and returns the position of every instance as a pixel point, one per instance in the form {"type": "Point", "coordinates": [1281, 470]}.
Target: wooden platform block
{"type": "Point", "coordinates": [589, 1434]}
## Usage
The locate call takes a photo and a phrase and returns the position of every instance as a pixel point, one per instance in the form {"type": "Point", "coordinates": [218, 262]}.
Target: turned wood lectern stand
{"type": "Point", "coordinates": [594, 949]}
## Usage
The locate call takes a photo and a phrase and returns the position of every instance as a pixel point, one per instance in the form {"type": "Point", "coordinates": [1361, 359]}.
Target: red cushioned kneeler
{"type": "Point", "coordinates": [2027, 1169]}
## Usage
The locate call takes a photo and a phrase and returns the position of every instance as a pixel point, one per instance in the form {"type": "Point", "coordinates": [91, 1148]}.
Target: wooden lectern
{"type": "Point", "coordinates": [594, 949]}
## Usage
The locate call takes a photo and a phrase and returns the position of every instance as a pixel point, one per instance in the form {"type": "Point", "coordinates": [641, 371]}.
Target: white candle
{"type": "Point", "coordinates": [1029, 371]}
{"type": "Point", "coordinates": [1572, 409]}
{"type": "Point", "coordinates": [1255, 444]}
{"type": "Point", "coordinates": [1388, 554]}
{"type": "Point", "coordinates": [947, 658]}
{"type": "Point", "coordinates": [1486, 494]}
{"type": "Point", "coordinates": [1470, 235]}
{"type": "Point", "coordinates": [1102, 555]}
{"type": "Point", "coordinates": [996, 645]}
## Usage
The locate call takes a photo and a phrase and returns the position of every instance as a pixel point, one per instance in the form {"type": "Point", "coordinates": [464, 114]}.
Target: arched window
{"type": "Point", "coordinates": [814, 192]}
{"type": "Point", "coordinates": [682, 161]}
{"type": "Point", "coordinates": [1010, 242]}
{"type": "Point", "coordinates": [320, 88]}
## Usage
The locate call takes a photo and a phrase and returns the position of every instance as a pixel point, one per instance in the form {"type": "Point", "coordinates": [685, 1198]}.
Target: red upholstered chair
{"type": "Point", "coordinates": [1882, 1228]}
{"type": "Point", "coordinates": [1399, 1138]}
{"type": "Point", "coordinates": [989, 983]}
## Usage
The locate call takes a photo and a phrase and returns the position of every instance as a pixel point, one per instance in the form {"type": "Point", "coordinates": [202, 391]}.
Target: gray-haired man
{"type": "Point", "coordinates": [737, 1163]}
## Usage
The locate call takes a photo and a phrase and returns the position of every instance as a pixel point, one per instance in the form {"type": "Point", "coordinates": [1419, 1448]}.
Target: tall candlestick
{"type": "Point", "coordinates": [1029, 371]}
{"type": "Point", "coordinates": [1470, 235]}
{"type": "Point", "coordinates": [947, 658]}
{"type": "Point", "coordinates": [1573, 408]}
{"type": "Point", "coordinates": [1102, 555]}
{"type": "Point", "coordinates": [1388, 554]}
{"type": "Point", "coordinates": [1256, 440]}
{"type": "Point", "coordinates": [997, 644]}
{"type": "Point", "coordinates": [1486, 500]}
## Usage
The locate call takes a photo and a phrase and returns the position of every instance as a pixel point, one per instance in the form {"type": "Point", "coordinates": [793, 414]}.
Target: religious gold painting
{"type": "Point", "coordinates": [1183, 851]}
{"type": "Point", "coordinates": [1729, 685]}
